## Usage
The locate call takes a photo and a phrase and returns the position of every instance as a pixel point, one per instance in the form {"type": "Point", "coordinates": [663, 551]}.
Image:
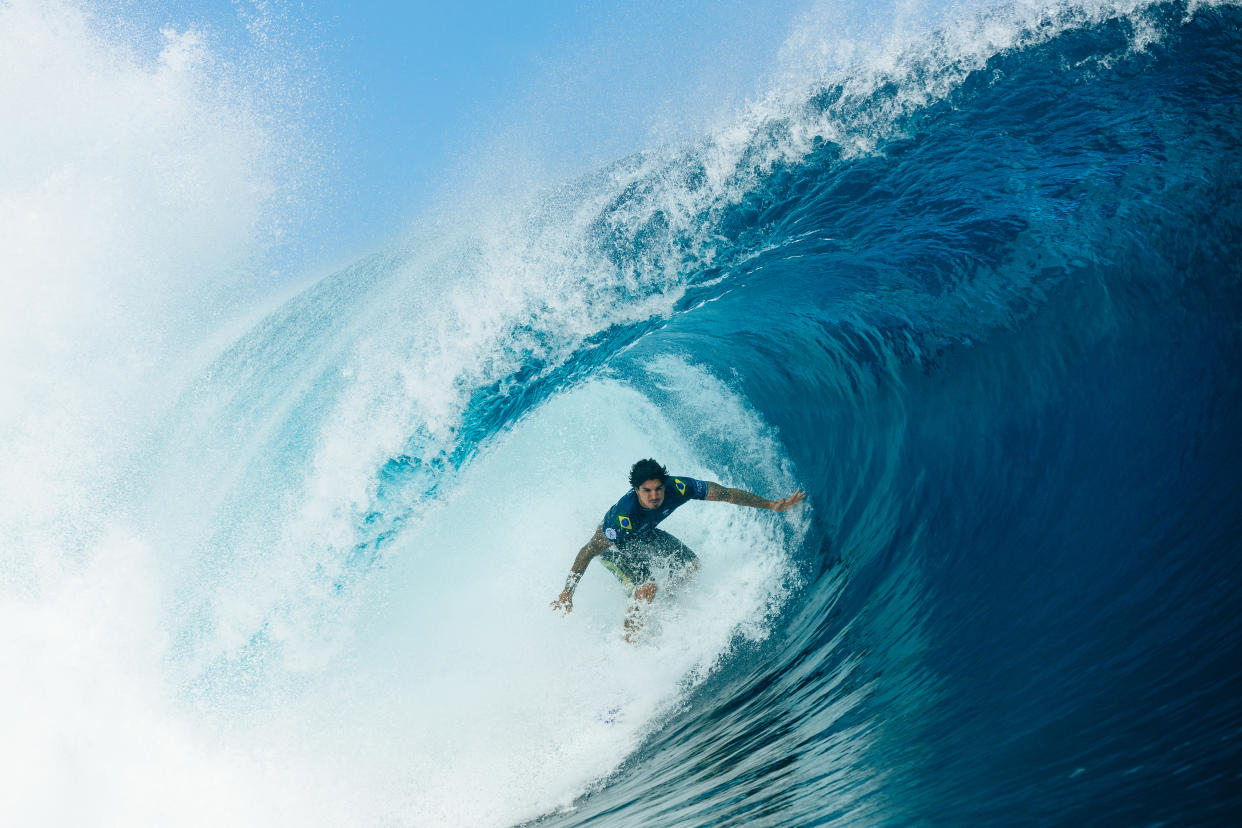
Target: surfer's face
{"type": "Point", "coordinates": [650, 494]}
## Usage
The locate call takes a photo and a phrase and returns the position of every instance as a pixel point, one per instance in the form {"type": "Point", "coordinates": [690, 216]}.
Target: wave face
{"type": "Point", "coordinates": [978, 293]}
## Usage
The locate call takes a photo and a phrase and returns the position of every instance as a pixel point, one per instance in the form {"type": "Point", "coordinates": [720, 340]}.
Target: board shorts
{"type": "Point", "coordinates": [656, 548]}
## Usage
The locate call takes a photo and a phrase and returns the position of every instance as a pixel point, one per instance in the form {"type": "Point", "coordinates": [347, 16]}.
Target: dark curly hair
{"type": "Point", "coordinates": [645, 470]}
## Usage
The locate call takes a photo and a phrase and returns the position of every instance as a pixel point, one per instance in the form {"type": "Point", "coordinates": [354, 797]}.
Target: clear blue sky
{"type": "Point", "coordinates": [406, 96]}
{"type": "Point", "coordinates": [563, 86]}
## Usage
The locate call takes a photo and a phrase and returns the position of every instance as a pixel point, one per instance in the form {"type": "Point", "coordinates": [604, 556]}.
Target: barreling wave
{"type": "Point", "coordinates": [973, 288]}
{"type": "Point", "coordinates": [1000, 346]}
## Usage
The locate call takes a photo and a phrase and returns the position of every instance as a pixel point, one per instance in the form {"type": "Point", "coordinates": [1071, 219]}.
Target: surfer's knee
{"type": "Point", "coordinates": [646, 592]}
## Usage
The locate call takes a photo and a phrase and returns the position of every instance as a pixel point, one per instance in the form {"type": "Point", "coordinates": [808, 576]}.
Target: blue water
{"type": "Point", "coordinates": [978, 295]}
{"type": "Point", "coordinates": [1003, 354]}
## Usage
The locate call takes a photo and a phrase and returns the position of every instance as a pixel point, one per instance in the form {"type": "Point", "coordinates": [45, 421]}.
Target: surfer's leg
{"type": "Point", "coordinates": [634, 614]}
{"type": "Point", "coordinates": [636, 609]}
{"type": "Point", "coordinates": [682, 562]}
{"type": "Point", "coordinates": [632, 568]}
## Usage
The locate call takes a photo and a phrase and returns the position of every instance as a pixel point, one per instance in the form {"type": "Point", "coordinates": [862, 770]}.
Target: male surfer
{"type": "Point", "coordinates": [628, 542]}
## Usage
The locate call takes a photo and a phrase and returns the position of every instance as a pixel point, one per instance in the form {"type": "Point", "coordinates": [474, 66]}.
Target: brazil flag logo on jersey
{"type": "Point", "coordinates": [680, 486]}
{"type": "Point", "coordinates": [625, 522]}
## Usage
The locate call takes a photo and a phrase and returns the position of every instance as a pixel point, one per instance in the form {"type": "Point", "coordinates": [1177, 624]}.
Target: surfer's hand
{"type": "Point", "coordinates": [786, 503]}
{"type": "Point", "coordinates": [565, 601]}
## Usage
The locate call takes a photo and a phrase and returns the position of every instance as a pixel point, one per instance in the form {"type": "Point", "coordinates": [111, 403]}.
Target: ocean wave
{"type": "Point", "coordinates": [973, 287]}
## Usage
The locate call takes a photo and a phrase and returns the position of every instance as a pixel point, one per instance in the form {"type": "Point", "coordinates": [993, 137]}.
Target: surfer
{"type": "Point", "coordinates": [628, 543]}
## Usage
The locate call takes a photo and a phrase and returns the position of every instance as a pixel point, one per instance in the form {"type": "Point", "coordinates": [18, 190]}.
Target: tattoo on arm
{"type": "Point", "coordinates": [740, 497]}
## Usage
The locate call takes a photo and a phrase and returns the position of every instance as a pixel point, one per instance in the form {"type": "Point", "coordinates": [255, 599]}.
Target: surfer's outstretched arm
{"type": "Point", "coordinates": [594, 547]}
{"type": "Point", "coordinates": [741, 497]}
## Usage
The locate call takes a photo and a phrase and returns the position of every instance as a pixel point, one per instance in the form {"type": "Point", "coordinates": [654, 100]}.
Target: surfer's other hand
{"type": "Point", "coordinates": [786, 503]}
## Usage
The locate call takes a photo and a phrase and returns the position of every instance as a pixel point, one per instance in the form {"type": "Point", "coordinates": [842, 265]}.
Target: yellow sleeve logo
{"type": "Point", "coordinates": [680, 486]}
{"type": "Point", "coordinates": [625, 522]}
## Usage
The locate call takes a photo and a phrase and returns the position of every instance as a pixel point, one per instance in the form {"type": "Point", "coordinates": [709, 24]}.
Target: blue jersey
{"type": "Point", "coordinates": [627, 520]}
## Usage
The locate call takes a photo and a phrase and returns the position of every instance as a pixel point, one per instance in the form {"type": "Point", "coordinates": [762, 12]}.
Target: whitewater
{"type": "Point", "coordinates": [279, 549]}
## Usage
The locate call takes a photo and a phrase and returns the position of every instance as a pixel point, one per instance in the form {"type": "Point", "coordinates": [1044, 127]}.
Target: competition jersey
{"type": "Point", "coordinates": [627, 520]}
